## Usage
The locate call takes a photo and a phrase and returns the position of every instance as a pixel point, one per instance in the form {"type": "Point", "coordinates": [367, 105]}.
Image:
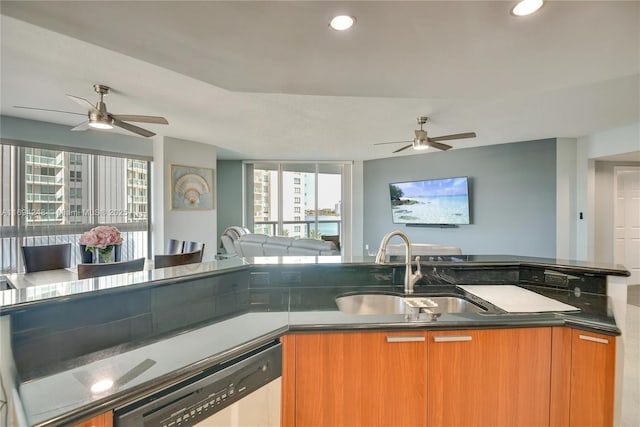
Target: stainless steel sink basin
{"type": "Point", "coordinates": [394, 304]}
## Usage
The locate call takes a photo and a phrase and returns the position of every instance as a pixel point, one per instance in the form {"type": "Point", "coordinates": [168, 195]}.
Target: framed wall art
{"type": "Point", "coordinates": [191, 188]}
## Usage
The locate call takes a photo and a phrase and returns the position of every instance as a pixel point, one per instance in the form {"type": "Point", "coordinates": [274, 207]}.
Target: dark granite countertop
{"type": "Point", "coordinates": [283, 296]}
{"type": "Point", "coordinates": [59, 398]}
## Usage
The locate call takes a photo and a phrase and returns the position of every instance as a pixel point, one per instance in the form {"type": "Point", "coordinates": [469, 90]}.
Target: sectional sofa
{"type": "Point", "coordinates": [238, 241]}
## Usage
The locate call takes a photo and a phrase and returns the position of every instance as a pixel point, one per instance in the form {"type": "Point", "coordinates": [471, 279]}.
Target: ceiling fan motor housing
{"type": "Point", "coordinates": [101, 89]}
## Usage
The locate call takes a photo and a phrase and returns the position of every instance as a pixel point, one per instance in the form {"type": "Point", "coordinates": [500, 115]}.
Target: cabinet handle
{"type": "Point", "coordinates": [594, 339]}
{"type": "Point", "coordinates": [391, 338]}
{"type": "Point", "coordinates": [452, 338]}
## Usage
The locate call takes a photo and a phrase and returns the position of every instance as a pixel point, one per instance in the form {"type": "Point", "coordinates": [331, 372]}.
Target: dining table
{"type": "Point", "coordinates": [47, 277]}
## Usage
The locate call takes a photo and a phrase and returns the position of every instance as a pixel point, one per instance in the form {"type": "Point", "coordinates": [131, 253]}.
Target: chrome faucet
{"type": "Point", "coordinates": [410, 278]}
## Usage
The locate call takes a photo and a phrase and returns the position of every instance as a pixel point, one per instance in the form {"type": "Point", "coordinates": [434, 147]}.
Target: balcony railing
{"type": "Point", "coordinates": [43, 198]}
{"type": "Point", "coordinates": [42, 179]}
{"type": "Point", "coordinates": [325, 228]}
{"type": "Point", "coordinates": [42, 160]}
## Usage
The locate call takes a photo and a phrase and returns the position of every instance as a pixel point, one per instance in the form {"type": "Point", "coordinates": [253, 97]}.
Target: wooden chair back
{"type": "Point", "coordinates": [86, 271]}
{"type": "Point", "coordinates": [47, 257]}
{"type": "Point", "coordinates": [161, 261]}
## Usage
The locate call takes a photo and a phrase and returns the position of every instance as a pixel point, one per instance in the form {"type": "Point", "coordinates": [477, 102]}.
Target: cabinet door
{"type": "Point", "coordinates": [360, 379]}
{"type": "Point", "coordinates": [498, 377]}
{"type": "Point", "coordinates": [102, 420]}
{"type": "Point", "coordinates": [592, 379]}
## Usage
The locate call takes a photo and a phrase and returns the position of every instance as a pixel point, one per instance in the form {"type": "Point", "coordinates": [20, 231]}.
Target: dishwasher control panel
{"type": "Point", "coordinates": [192, 401]}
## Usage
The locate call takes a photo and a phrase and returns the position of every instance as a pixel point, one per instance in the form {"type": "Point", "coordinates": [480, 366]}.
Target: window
{"type": "Point", "coordinates": [298, 200]}
{"type": "Point", "coordinates": [44, 202]}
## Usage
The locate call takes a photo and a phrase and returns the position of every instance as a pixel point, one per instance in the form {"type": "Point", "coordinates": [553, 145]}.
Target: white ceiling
{"type": "Point", "coordinates": [270, 80]}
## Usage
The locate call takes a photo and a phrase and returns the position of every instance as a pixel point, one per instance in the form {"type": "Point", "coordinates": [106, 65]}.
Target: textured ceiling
{"type": "Point", "coordinates": [270, 80]}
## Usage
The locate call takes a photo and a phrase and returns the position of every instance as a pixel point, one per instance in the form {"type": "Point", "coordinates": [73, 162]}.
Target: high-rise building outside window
{"type": "Point", "coordinates": [51, 196]}
{"type": "Point", "coordinates": [300, 200]}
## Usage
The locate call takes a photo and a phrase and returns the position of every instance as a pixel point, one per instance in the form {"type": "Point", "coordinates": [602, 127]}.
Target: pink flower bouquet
{"type": "Point", "coordinates": [101, 238]}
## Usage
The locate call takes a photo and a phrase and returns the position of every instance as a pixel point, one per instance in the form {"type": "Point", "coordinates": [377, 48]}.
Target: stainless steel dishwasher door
{"type": "Point", "coordinates": [243, 392]}
{"type": "Point", "coordinates": [259, 408]}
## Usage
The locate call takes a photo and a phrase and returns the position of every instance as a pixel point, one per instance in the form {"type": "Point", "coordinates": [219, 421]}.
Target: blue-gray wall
{"type": "Point", "coordinates": [229, 189]}
{"type": "Point", "coordinates": [17, 129]}
{"type": "Point", "coordinates": [512, 198]}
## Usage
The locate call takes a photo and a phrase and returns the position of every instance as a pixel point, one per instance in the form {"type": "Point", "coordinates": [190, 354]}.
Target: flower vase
{"type": "Point", "coordinates": [86, 255]}
{"type": "Point", "coordinates": [111, 253]}
{"type": "Point", "coordinates": [104, 255]}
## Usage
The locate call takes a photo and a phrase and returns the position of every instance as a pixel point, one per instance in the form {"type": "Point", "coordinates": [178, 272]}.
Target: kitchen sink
{"type": "Point", "coordinates": [395, 304]}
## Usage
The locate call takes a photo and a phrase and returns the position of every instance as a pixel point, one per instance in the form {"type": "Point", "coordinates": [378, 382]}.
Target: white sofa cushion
{"type": "Point", "coordinates": [251, 244]}
{"type": "Point", "coordinates": [276, 246]}
{"type": "Point", "coordinates": [312, 247]}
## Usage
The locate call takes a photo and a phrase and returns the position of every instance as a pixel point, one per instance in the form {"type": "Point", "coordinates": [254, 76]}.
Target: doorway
{"type": "Point", "coordinates": [626, 247]}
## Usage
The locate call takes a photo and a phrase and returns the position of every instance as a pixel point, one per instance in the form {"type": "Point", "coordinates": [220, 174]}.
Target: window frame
{"type": "Point", "coordinates": [17, 231]}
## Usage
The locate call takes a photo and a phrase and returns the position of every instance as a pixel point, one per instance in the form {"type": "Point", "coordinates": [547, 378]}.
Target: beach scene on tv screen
{"type": "Point", "coordinates": [439, 201]}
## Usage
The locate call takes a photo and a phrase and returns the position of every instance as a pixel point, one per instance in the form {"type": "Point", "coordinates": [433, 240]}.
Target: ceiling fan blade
{"type": "Point", "coordinates": [86, 104]}
{"type": "Point", "coordinates": [132, 128]}
{"type": "Point", "coordinates": [454, 136]}
{"type": "Point", "coordinates": [47, 109]}
{"type": "Point", "coordinates": [439, 146]}
{"type": "Point", "coordinates": [141, 119]}
{"type": "Point", "coordinates": [82, 126]}
{"type": "Point", "coordinates": [394, 142]}
{"type": "Point", "coordinates": [403, 148]}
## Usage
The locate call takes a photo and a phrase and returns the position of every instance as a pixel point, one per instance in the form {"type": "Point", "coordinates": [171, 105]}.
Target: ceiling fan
{"type": "Point", "coordinates": [422, 141]}
{"type": "Point", "coordinates": [100, 118]}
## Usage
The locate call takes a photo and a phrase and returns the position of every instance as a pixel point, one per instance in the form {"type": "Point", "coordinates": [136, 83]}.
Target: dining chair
{"type": "Point", "coordinates": [175, 246]}
{"type": "Point", "coordinates": [171, 260]}
{"type": "Point", "coordinates": [86, 271]}
{"type": "Point", "coordinates": [47, 257]}
{"type": "Point", "coordinates": [190, 246]}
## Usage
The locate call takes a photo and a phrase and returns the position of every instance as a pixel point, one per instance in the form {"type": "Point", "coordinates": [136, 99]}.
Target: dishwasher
{"type": "Point", "coordinates": [243, 392]}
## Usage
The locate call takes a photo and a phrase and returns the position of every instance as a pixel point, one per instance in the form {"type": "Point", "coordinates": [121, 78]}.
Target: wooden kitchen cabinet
{"type": "Point", "coordinates": [582, 379]}
{"type": "Point", "coordinates": [102, 420]}
{"type": "Point", "coordinates": [355, 379]}
{"type": "Point", "coordinates": [497, 377]}
{"type": "Point", "coordinates": [592, 379]}
{"type": "Point", "coordinates": [549, 376]}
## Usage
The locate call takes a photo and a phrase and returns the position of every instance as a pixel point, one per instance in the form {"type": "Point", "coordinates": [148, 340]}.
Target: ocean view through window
{"type": "Point", "coordinates": [302, 200]}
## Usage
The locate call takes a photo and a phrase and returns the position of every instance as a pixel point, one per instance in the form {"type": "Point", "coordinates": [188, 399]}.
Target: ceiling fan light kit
{"type": "Point", "coordinates": [420, 145]}
{"type": "Point", "coordinates": [98, 121]}
{"type": "Point", "coordinates": [423, 142]}
{"type": "Point", "coordinates": [100, 118]}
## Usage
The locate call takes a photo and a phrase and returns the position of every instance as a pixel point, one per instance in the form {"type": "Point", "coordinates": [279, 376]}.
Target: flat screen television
{"type": "Point", "coordinates": [434, 201]}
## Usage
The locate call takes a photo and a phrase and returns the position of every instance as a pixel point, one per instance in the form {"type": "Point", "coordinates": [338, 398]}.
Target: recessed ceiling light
{"type": "Point", "coordinates": [342, 22]}
{"type": "Point", "coordinates": [526, 7]}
